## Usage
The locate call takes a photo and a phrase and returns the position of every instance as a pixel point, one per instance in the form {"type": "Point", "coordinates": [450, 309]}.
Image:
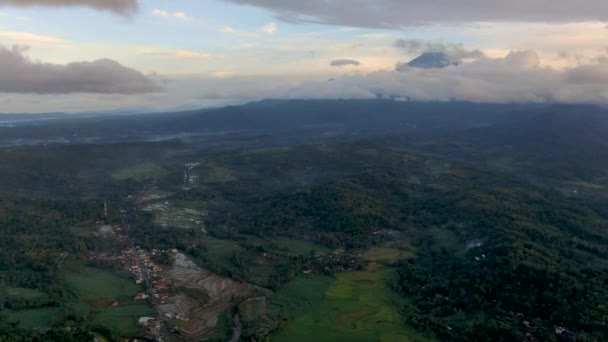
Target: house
{"type": "Point", "coordinates": [145, 320]}
{"type": "Point", "coordinates": [141, 296]}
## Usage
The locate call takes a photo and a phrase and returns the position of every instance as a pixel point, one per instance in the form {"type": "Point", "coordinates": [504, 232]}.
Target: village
{"type": "Point", "coordinates": [146, 272]}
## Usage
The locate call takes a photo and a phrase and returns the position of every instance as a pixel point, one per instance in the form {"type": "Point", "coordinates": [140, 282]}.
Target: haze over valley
{"type": "Point", "coordinates": [247, 170]}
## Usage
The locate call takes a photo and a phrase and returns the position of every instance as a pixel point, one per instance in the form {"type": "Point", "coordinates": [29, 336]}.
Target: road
{"type": "Point", "coordinates": [165, 336]}
{"type": "Point", "coordinates": [236, 334]}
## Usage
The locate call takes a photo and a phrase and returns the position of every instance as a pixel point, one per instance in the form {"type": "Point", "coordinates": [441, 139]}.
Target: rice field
{"type": "Point", "coordinates": [352, 306]}
{"type": "Point", "coordinates": [108, 300]}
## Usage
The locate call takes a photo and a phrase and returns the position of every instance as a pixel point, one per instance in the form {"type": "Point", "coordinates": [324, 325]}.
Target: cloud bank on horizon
{"type": "Point", "coordinates": [517, 77]}
{"type": "Point", "coordinates": [104, 76]}
{"type": "Point", "coordinates": [493, 51]}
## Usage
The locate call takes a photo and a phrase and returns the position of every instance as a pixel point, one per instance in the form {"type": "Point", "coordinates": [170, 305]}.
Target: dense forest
{"type": "Point", "coordinates": [499, 225]}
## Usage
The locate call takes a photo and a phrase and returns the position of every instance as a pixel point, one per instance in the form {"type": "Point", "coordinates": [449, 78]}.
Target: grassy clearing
{"type": "Point", "coordinates": [220, 252]}
{"type": "Point", "coordinates": [36, 318]}
{"type": "Point", "coordinates": [123, 319]}
{"type": "Point", "coordinates": [108, 300]}
{"type": "Point", "coordinates": [212, 173]}
{"type": "Point", "coordinates": [445, 239]}
{"type": "Point", "coordinates": [95, 284]}
{"type": "Point", "coordinates": [300, 247]}
{"type": "Point", "coordinates": [383, 255]}
{"type": "Point", "coordinates": [283, 149]}
{"type": "Point", "coordinates": [302, 294]}
{"type": "Point", "coordinates": [141, 172]}
{"type": "Point", "coordinates": [105, 298]}
{"type": "Point", "coordinates": [19, 292]}
{"type": "Point", "coordinates": [353, 306]}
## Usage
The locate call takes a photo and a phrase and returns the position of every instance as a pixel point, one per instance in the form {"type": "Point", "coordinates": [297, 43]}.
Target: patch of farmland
{"type": "Point", "coordinates": [202, 316]}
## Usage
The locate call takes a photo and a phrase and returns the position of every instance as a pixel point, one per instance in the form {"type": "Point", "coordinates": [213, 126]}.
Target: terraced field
{"type": "Point", "coordinates": [220, 295]}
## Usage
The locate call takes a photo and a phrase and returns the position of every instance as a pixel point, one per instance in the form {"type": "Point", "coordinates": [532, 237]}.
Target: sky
{"type": "Point", "coordinates": [101, 55]}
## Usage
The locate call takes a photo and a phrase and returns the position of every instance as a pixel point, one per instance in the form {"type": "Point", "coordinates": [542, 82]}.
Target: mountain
{"type": "Point", "coordinates": [561, 143]}
{"type": "Point", "coordinates": [432, 60]}
{"type": "Point", "coordinates": [284, 118]}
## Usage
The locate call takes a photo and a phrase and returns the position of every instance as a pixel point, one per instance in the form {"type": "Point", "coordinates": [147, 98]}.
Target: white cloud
{"type": "Point", "coordinates": [519, 76]}
{"type": "Point", "coordinates": [222, 74]}
{"type": "Point", "coordinates": [231, 30]}
{"type": "Point", "coordinates": [191, 54]}
{"type": "Point", "coordinates": [227, 29]}
{"type": "Point", "coordinates": [270, 28]}
{"type": "Point", "coordinates": [165, 14]}
{"type": "Point", "coordinates": [160, 13]}
{"type": "Point", "coordinates": [176, 53]}
{"type": "Point", "coordinates": [28, 37]}
{"type": "Point", "coordinates": [181, 15]}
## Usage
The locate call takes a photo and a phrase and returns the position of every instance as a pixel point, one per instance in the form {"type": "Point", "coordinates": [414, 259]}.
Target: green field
{"type": "Point", "coordinates": [219, 252]}
{"type": "Point", "coordinates": [269, 150]}
{"type": "Point", "coordinates": [96, 291]}
{"type": "Point", "coordinates": [36, 318]}
{"type": "Point", "coordinates": [20, 292]}
{"type": "Point", "coordinates": [213, 173]}
{"type": "Point", "coordinates": [353, 306]}
{"type": "Point", "coordinates": [384, 255]}
{"type": "Point", "coordinates": [445, 239]}
{"type": "Point", "coordinates": [123, 318]}
{"type": "Point", "coordinates": [95, 284]}
{"type": "Point", "coordinates": [141, 172]}
{"type": "Point", "coordinates": [300, 247]}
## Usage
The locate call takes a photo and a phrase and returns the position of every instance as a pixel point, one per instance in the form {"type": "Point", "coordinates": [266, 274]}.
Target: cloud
{"type": "Point", "coordinates": [30, 37]}
{"type": "Point", "coordinates": [596, 74]}
{"type": "Point", "coordinates": [191, 54]}
{"type": "Point", "coordinates": [160, 13]}
{"type": "Point", "coordinates": [180, 15]}
{"type": "Point", "coordinates": [176, 53]}
{"type": "Point", "coordinates": [270, 28]}
{"type": "Point", "coordinates": [227, 29]}
{"type": "Point", "coordinates": [455, 52]}
{"type": "Point", "coordinates": [402, 13]}
{"type": "Point", "coordinates": [344, 62]}
{"type": "Point", "coordinates": [222, 74]}
{"type": "Point", "coordinates": [19, 74]}
{"type": "Point", "coordinates": [177, 15]}
{"type": "Point", "coordinates": [123, 7]}
{"type": "Point", "coordinates": [519, 76]}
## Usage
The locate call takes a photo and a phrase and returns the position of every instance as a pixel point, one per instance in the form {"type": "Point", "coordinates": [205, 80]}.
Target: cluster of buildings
{"type": "Point", "coordinates": [338, 261]}
{"type": "Point", "coordinates": [145, 270]}
{"type": "Point", "coordinates": [152, 325]}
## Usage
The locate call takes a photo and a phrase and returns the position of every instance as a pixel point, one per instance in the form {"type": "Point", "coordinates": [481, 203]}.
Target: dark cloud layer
{"type": "Point", "coordinates": [401, 13]}
{"type": "Point", "coordinates": [344, 62]}
{"type": "Point", "coordinates": [116, 6]}
{"type": "Point", "coordinates": [19, 74]}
